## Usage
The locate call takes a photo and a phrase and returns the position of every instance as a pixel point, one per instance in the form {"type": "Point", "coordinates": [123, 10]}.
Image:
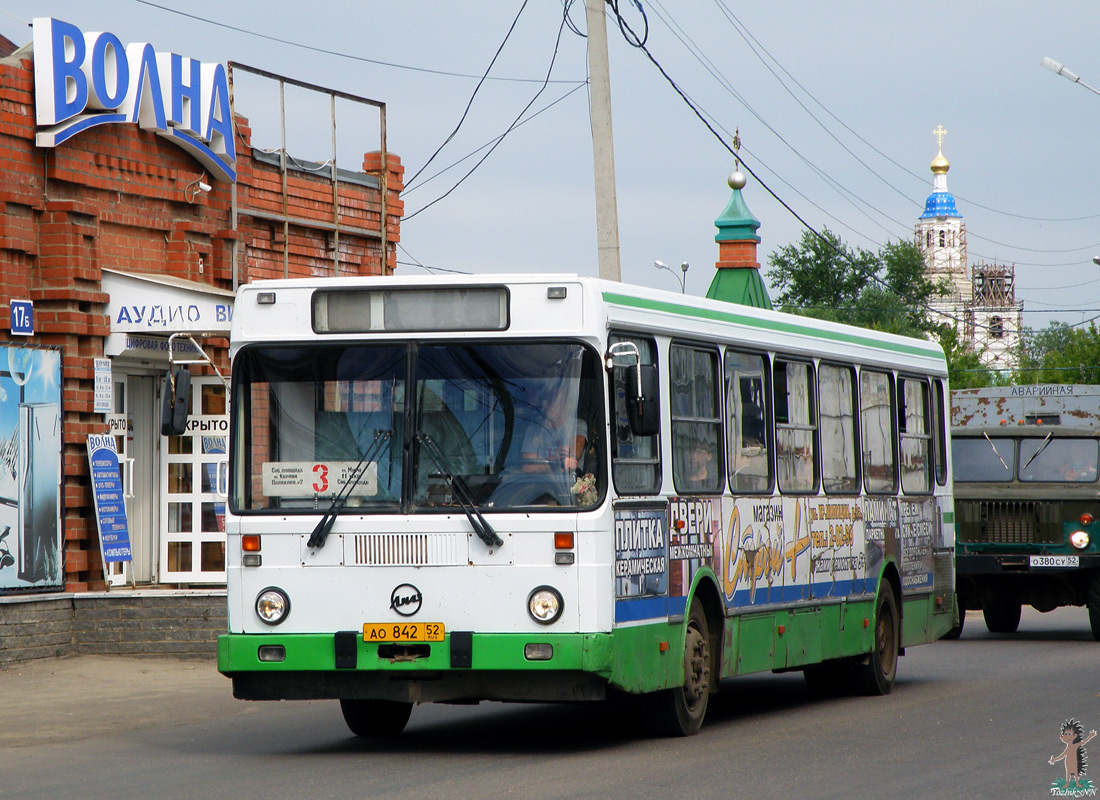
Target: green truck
{"type": "Point", "coordinates": [1027, 501]}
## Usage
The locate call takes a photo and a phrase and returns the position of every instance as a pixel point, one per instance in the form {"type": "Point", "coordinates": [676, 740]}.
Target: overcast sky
{"type": "Point", "coordinates": [835, 102]}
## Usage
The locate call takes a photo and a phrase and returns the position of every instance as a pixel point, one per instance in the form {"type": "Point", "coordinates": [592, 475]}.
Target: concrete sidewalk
{"type": "Point", "coordinates": [64, 699]}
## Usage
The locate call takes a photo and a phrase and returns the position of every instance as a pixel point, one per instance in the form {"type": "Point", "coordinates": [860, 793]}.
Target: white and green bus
{"type": "Point", "coordinates": [557, 488]}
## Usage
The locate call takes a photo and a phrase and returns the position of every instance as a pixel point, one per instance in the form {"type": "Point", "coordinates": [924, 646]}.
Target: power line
{"type": "Point", "coordinates": [868, 274]}
{"type": "Point", "coordinates": [477, 88]}
{"type": "Point", "coordinates": [454, 164]}
{"type": "Point", "coordinates": [337, 53]}
{"type": "Point", "coordinates": [515, 123]}
{"type": "Point", "coordinates": [738, 25]}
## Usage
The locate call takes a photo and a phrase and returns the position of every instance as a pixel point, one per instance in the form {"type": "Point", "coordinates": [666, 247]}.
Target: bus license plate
{"type": "Point", "coordinates": [403, 632]}
{"type": "Point", "coordinates": [1054, 561]}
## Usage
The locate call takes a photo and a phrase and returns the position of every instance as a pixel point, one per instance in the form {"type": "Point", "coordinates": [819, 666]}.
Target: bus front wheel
{"type": "Point", "coordinates": [680, 711]}
{"type": "Point", "coordinates": [375, 718]}
{"type": "Point", "coordinates": [876, 677]}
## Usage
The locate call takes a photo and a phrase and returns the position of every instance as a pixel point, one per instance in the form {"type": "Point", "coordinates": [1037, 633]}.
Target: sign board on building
{"type": "Point", "coordinates": [22, 317]}
{"type": "Point", "coordinates": [104, 396]}
{"type": "Point", "coordinates": [155, 304]}
{"type": "Point", "coordinates": [86, 79]}
{"type": "Point", "coordinates": [110, 502]}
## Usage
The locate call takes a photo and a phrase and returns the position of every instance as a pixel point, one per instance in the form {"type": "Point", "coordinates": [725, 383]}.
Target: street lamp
{"type": "Point", "coordinates": [682, 278]}
{"type": "Point", "coordinates": [1060, 69]}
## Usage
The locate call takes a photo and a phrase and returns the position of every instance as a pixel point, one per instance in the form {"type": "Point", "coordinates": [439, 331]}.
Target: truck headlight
{"type": "Point", "coordinates": [272, 605]}
{"type": "Point", "coordinates": [1079, 539]}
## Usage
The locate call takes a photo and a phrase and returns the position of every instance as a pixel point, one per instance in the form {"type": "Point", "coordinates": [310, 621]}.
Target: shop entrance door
{"type": "Point", "coordinates": [133, 424]}
{"type": "Point", "coordinates": [192, 530]}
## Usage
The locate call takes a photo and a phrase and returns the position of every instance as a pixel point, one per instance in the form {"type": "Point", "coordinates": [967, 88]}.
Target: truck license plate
{"type": "Point", "coordinates": [1054, 561]}
{"type": "Point", "coordinates": [403, 632]}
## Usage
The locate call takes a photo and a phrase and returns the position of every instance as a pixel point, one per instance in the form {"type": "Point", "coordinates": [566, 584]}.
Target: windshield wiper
{"type": "Point", "coordinates": [339, 502]}
{"type": "Point", "coordinates": [1042, 447]}
{"type": "Point", "coordinates": [1003, 464]}
{"type": "Point", "coordinates": [478, 522]}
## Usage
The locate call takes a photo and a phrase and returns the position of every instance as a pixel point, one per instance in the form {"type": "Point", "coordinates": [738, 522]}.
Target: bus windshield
{"type": "Point", "coordinates": [512, 424]}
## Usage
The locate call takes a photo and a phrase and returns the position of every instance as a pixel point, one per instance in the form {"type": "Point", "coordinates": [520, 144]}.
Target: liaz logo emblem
{"type": "Point", "coordinates": [406, 600]}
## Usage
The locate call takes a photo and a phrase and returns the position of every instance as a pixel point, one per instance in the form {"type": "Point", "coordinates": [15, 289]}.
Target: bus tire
{"type": "Point", "coordinates": [375, 718]}
{"type": "Point", "coordinates": [1092, 600]}
{"type": "Point", "coordinates": [876, 676]}
{"type": "Point", "coordinates": [1001, 616]}
{"type": "Point", "coordinates": [680, 711]}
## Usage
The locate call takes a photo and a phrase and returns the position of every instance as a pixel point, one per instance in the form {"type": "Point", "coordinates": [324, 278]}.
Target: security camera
{"type": "Point", "coordinates": [204, 187]}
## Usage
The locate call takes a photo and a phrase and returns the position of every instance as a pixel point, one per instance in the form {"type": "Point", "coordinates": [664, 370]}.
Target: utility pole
{"type": "Point", "coordinates": [603, 149]}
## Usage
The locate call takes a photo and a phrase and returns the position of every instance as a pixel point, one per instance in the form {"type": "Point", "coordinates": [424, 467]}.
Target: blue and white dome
{"type": "Point", "coordinates": [940, 204]}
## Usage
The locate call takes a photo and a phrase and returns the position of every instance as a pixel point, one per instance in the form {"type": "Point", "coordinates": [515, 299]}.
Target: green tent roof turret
{"type": "Point", "coordinates": [737, 277]}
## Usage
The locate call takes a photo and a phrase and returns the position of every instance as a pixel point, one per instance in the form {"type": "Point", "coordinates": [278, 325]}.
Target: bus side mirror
{"type": "Point", "coordinates": [175, 401]}
{"type": "Point", "coordinates": [643, 409]}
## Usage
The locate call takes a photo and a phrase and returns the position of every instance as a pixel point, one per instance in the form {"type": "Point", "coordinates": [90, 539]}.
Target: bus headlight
{"type": "Point", "coordinates": [1079, 539]}
{"type": "Point", "coordinates": [545, 605]}
{"type": "Point", "coordinates": [272, 606]}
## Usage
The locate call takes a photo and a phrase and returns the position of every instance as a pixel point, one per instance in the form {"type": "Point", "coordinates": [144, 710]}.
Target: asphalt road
{"type": "Point", "coordinates": [978, 717]}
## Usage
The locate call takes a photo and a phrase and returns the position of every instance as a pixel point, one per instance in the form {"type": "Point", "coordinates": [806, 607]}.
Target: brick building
{"type": "Point", "coordinates": [114, 237]}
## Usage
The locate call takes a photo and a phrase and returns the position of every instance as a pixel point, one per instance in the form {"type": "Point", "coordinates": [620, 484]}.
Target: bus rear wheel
{"type": "Point", "coordinates": [876, 677]}
{"type": "Point", "coordinates": [375, 718]}
{"type": "Point", "coordinates": [680, 711]}
{"type": "Point", "coordinates": [1001, 616]}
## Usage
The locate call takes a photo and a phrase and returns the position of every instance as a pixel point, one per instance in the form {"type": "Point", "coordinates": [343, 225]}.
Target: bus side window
{"type": "Point", "coordinates": [939, 422]}
{"type": "Point", "coordinates": [795, 426]}
{"type": "Point", "coordinates": [839, 446]}
{"type": "Point", "coordinates": [747, 453]}
{"type": "Point", "coordinates": [635, 460]}
{"type": "Point", "coordinates": [696, 422]}
{"type": "Point", "coordinates": [915, 437]}
{"type": "Point", "coordinates": [876, 404]}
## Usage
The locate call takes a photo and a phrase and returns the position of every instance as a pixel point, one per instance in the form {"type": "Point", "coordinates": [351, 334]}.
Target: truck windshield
{"type": "Point", "coordinates": [981, 459]}
{"type": "Point", "coordinates": [1041, 459]}
{"type": "Point", "coordinates": [1060, 461]}
{"type": "Point", "coordinates": [517, 424]}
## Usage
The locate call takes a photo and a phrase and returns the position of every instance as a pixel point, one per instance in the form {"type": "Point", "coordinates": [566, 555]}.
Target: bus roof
{"type": "Point", "coordinates": [595, 306]}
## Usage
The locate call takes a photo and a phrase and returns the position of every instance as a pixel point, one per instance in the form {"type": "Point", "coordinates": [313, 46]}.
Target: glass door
{"type": "Point", "coordinates": [192, 515]}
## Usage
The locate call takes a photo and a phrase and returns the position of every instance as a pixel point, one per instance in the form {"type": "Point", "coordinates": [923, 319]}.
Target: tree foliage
{"type": "Point", "coordinates": [887, 291]}
{"type": "Point", "coordinates": [1059, 354]}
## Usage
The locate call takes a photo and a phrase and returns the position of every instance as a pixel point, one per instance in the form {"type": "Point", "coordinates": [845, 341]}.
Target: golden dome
{"type": "Point", "coordinates": [940, 165]}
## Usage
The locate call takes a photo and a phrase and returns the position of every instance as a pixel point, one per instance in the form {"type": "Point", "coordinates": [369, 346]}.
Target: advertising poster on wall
{"type": "Point", "coordinates": [30, 469]}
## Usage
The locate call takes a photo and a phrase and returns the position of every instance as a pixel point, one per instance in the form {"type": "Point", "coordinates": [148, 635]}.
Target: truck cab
{"type": "Point", "coordinates": [1027, 500]}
